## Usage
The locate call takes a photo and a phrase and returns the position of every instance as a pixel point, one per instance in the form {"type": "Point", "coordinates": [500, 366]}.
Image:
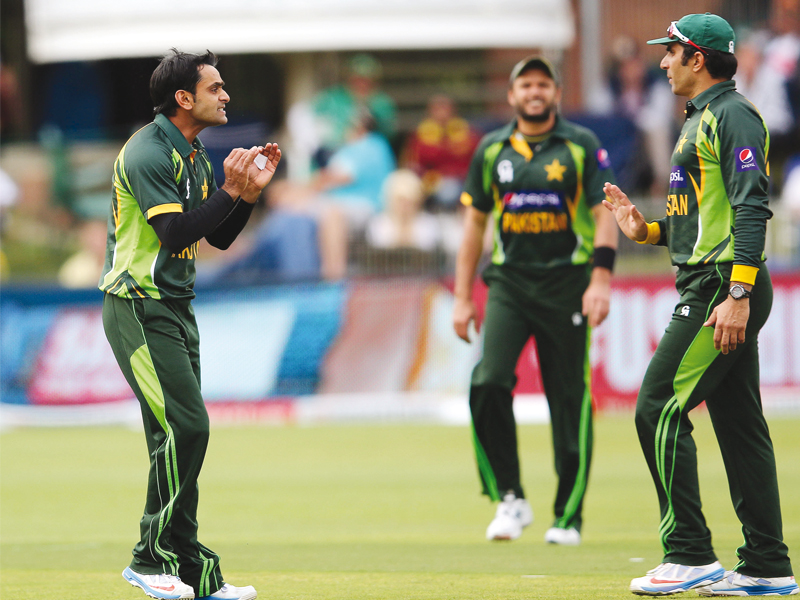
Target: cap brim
{"type": "Point", "coordinates": [664, 40]}
{"type": "Point", "coordinates": [537, 62]}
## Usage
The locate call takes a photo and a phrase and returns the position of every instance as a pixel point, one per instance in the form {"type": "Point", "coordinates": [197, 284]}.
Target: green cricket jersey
{"type": "Point", "coordinates": [540, 195]}
{"type": "Point", "coordinates": [157, 171]}
{"type": "Point", "coordinates": [717, 206]}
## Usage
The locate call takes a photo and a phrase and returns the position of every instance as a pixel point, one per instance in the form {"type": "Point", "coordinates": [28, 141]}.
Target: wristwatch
{"type": "Point", "coordinates": [737, 292]}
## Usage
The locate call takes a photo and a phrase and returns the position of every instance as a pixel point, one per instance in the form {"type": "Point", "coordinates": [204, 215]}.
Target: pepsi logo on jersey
{"type": "Point", "coordinates": [745, 158]}
{"type": "Point", "coordinates": [677, 178]}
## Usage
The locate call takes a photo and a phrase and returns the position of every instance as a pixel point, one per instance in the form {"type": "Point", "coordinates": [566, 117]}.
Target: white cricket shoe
{"type": "Point", "coordinates": [669, 578]}
{"type": "Point", "coordinates": [513, 514]}
{"type": "Point", "coordinates": [163, 587]}
{"type": "Point", "coordinates": [736, 584]}
{"type": "Point", "coordinates": [231, 592]}
{"type": "Point", "coordinates": [564, 537]}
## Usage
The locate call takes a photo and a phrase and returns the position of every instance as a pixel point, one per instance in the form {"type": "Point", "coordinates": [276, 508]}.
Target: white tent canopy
{"type": "Point", "coordinates": [66, 30]}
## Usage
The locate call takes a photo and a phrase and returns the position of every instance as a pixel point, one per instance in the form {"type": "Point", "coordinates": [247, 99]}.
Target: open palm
{"type": "Point", "coordinates": [631, 222]}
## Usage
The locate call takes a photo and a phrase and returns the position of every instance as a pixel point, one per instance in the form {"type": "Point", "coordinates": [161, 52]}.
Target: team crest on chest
{"type": "Point", "coordinates": [682, 142]}
{"type": "Point", "coordinates": [505, 171]}
{"type": "Point", "coordinates": [555, 171]}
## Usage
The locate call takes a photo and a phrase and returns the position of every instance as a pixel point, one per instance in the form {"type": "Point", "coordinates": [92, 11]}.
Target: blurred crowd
{"type": "Point", "coordinates": [357, 188]}
{"type": "Point", "coordinates": [358, 196]}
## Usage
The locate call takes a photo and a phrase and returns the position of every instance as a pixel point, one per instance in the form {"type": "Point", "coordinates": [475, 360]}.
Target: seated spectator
{"type": "Point", "coordinates": [440, 150]}
{"type": "Point", "coordinates": [318, 127]}
{"type": "Point", "coordinates": [83, 269]}
{"type": "Point", "coordinates": [403, 224]}
{"type": "Point", "coordinates": [345, 194]}
{"type": "Point", "coordinates": [281, 247]}
{"type": "Point", "coordinates": [9, 194]}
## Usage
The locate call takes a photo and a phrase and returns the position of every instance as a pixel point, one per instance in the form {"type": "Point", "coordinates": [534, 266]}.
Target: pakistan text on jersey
{"type": "Point", "coordinates": [677, 204]}
{"type": "Point", "coordinates": [534, 222]}
{"type": "Point", "coordinates": [190, 252]}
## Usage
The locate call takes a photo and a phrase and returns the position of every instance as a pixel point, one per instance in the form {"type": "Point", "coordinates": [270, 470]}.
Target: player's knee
{"type": "Point", "coordinates": [646, 418]}
{"type": "Point", "coordinates": [488, 375]}
{"type": "Point", "coordinates": [194, 432]}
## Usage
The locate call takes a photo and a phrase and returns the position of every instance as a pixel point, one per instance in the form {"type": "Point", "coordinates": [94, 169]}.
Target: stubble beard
{"type": "Point", "coordinates": [539, 118]}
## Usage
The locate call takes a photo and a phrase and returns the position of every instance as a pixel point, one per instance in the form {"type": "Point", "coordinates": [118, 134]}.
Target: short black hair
{"type": "Point", "coordinates": [177, 71]}
{"type": "Point", "coordinates": [720, 65]}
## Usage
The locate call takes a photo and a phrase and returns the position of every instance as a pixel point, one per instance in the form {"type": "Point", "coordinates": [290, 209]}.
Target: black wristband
{"type": "Point", "coordinates": [604, 257]}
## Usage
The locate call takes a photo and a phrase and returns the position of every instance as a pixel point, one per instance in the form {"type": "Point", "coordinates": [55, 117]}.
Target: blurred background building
{"type": "Point", "coordinates": [74, 86]}
{"type": "Point", "coordinates": [433, 76]}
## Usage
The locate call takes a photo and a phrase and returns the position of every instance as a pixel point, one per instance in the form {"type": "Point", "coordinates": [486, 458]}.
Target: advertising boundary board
{"type": "Point", "coordinates": [297, 345]}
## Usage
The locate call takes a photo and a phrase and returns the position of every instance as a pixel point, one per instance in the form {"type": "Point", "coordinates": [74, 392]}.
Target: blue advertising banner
{"type": "Point", "coordinates": [256, 343]}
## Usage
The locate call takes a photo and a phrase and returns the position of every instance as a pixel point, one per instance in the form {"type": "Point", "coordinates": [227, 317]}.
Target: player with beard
{"type": "Point", "coordinates": [541, 178]}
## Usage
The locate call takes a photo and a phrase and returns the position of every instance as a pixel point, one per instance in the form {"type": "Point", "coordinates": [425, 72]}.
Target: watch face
{"type": "Point", "coordinates": [737, 292]}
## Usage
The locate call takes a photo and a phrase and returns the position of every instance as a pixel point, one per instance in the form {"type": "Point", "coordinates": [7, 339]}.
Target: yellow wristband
{"type": "Point", "coordinates": [744, 274]}
{"type": "Point", "coordinates": [653, 234]}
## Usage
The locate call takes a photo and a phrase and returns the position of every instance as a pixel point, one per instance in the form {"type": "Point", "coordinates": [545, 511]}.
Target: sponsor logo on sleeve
{"type": "Point", "coordinates": [677, 178]}
{"type": "Point", "coordinates": [602, 159]}
{"type": "Point", "coordinates": [745, 159]}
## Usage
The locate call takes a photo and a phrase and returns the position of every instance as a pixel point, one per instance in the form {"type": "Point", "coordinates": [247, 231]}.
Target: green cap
{"type": "Point", "coordinates": [533, 62]}
{"type": "Point", "coordinates": [364, 65]}
{"type": "Point", "coordinates": [706, 31]}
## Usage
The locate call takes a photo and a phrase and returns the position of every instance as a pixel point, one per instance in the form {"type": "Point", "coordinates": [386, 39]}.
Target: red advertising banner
{"type": "Point", "coordinates": [641, 308]}
{"type": "Point", "coordinates": [75, 364]}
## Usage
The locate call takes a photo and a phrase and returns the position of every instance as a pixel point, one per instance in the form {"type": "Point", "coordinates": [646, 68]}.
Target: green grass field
{"type": "Point", "coordinates": [350, 512]}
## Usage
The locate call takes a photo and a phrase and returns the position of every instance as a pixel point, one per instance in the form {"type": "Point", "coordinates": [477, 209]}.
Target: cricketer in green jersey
{"type": "Point", "coordinates": [541, 180]}
{"type": "Point", "coordinates": [715, 226]}
{"type": "Point", "coordinates": [165, 201]}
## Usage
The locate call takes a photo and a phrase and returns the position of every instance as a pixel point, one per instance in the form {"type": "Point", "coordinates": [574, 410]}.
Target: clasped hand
{"type": "Point", "coordinates": [245, 179]}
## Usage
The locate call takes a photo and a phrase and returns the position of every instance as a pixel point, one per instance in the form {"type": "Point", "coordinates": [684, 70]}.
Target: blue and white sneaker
{"type": "Point", "coordinates": [669, 578]}
{"type": "Point", "coordinates": [231, 592]}
{"type": "Point", "coordinates": [736, 584]}
{"type": "Point", "coordinates": [162, 587]}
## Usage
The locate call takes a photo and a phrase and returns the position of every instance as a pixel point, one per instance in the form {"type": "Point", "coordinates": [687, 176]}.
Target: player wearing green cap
{"type": "Point", "coordinates": [715, 224]}
{"type": "Point", "coordinates": [541, 179]}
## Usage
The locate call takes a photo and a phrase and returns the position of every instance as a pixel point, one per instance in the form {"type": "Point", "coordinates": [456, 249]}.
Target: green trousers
{"type": "Point", "coordinates": [686, 370]}
{"type": "Point", "coordinates": [547, 307]}
{"type": "Point", "coordinates": [156, 344]}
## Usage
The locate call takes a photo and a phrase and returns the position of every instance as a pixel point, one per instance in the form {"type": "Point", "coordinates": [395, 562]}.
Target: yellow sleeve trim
{"type": "Point", "coordinates": [744, 274]}
{"type": "Point", "coordinates": [163, 209]}
{"type": "Point", "coordinates": [653, 234]}
{"type": "Point", "coordinates": [466, 199]}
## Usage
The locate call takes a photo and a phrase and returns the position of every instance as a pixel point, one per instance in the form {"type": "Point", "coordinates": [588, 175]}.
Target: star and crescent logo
{"type": "Point", "coordinates": [682, 142]}
{"type": "Point", "coordinates": [555, 171]}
